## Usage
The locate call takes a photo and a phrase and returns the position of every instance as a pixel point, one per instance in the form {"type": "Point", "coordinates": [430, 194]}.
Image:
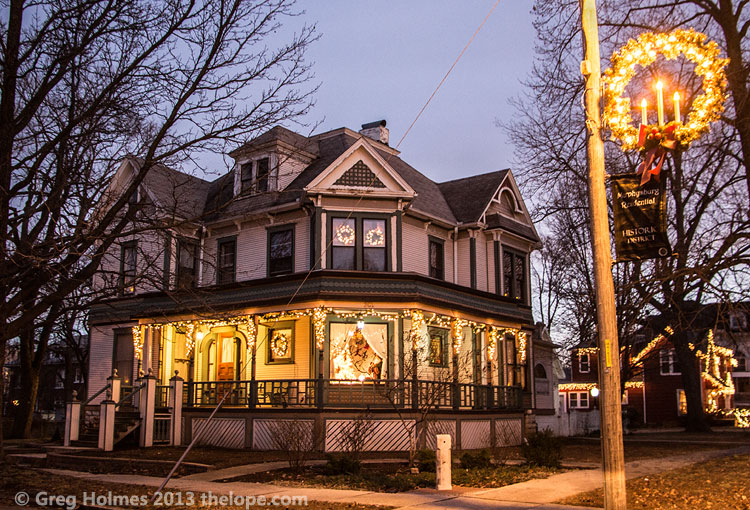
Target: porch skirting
{"type": "Point", "coordinates": [327, 430]}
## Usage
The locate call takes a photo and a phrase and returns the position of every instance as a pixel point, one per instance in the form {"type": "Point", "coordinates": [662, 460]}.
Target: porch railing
{"type": "Point", "coordinates": [333, 393]}
{"type": "Point", "coordinates": [162, 396]}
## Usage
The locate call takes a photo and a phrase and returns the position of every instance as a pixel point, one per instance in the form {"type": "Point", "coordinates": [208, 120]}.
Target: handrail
{"type": "Point", "coordinates": [136, 389]}
{"type": "Point", "coordinates": [92, 397]}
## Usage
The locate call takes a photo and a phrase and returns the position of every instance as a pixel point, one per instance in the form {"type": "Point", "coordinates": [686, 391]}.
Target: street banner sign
{"type": "Point", "coordinates": [640, 214]}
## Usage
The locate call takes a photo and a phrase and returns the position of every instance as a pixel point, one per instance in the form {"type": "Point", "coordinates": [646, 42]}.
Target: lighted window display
{"type": "Point", "coordinates": [374, 246]}
{"type": "Point", "coordinates": [343, 244]}
{"type": "Point", "coordinates": [358, 354]}
{"type": "Point", "coordinates": [437, 346]}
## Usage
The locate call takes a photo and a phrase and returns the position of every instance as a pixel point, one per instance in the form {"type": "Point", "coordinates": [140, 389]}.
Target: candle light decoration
{"type": "Point", "coordinates": [660, 102]}
{"type": "Point", "coordinates": [644, 112]}
{"type": "Point", "coordinates": [706, 107]}
{"type": "Point", "coordinates": [677, 106]}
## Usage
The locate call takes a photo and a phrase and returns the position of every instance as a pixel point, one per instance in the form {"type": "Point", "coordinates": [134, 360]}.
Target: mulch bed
{"type": "Point", "coordinates": [390, 477]}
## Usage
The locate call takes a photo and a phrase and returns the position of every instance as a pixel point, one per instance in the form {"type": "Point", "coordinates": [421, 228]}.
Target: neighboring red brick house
{"type": "Point", "coordinates": [655, 395]}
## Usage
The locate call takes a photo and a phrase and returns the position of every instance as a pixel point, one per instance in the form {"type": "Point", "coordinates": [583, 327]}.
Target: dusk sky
{"type": "Point", "coordinates": [382, 60]}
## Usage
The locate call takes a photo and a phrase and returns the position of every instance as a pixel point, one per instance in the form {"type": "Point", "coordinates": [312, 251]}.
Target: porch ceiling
{"type": "Point", "coordinates": [319, 286]}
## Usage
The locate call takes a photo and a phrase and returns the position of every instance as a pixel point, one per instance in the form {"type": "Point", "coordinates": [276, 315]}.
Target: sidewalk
{"type": "Point", "coordinates": [536, 494]}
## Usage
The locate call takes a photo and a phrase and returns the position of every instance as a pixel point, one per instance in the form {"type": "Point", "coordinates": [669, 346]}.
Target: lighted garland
{"type": "Point", "coordinates": [345, 234]}
{"type": "Point", "coordinates": [417, 321]}
{"type": "Point", "coordinates": [491, 342]}
{"type": "Point", "coordinates": [319, 316]}
{"type": "Point", "coordinates": [706, 108]}
{"type": "Point", "coordinates": [137, 342]}
{"type": "Point", "coordinates": [457, 331]}
{"type": "Point", "coordinates": [522, 339]}
{"type": "Point", "coordinates": [190, 339]}
{"type": "Point", "coordinates": [252, 332]}
{"type": "Point", "coordinates": [319, 326]}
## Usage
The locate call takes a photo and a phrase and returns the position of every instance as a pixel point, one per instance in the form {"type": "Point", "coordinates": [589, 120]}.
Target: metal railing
{"type": "Point", "coordinates": [336, 393]}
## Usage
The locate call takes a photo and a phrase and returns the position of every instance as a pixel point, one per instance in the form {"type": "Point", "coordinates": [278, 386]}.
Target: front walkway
{"type": "Point", "coordinates": [534, 494]}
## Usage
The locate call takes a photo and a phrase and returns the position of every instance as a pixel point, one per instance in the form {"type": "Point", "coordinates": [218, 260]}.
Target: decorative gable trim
{"type": "Point", "coordinates": [508, 185]}
{"type": "Point", "coordinates": [360, 169]}
{"type": "Point", "coordinates": [359, 176]}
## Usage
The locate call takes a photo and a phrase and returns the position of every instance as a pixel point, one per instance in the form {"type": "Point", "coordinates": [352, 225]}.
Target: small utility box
{"type": "Point", "coordinates": [443, 462]}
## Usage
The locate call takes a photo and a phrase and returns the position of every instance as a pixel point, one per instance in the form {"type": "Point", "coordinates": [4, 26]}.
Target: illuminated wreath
{"type": "Point", "coordinates": [706, 108]}
{"type": "Point", "coordinates": [375, 237]}
{"type": "Point", "coordinates": [279, 345]}
{"type": "Point", "coordinates": [345, 234]}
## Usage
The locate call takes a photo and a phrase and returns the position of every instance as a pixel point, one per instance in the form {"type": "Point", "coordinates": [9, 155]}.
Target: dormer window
{"type": "Point", "coordinates": [255, 176]}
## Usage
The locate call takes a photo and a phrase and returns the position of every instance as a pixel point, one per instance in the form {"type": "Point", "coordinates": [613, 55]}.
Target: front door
{"type": "Point", "coordinates": [225, 362]}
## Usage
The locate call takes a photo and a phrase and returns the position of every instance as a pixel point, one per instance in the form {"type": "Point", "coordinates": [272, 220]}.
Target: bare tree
{"type": "Point", "coordinates": [707, 185]}
{"type": "Point", "coordinates": [87, 82]}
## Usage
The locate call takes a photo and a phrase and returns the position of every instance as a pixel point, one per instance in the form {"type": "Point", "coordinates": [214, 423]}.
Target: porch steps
{"type": "Point", "coordinates": [126, 421]}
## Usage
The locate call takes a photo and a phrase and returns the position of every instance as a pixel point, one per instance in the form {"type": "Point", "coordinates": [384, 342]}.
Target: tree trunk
{"type": "Point", "coordinates": [3, 345]}
{"type": "Point", "coordinates": [691, 380]}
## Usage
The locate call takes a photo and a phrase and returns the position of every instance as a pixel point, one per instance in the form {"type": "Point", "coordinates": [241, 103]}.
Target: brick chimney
{"type": "Point", "coordinates": [376, 130]}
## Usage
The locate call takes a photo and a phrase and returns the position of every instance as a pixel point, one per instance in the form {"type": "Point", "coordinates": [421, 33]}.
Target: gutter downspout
{"type": "Point", "coordinates": [200, 256]}
{"type": "Point", "coordinates": [455, 255]}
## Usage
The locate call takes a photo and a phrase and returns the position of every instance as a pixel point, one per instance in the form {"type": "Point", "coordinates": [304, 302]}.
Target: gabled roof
{"type": "Point", "coordinates": [469, 197]}
{"type": "Point", "coordinates": [280, 134]}
{"type": "Point", "coordinates": [174, 192]}
{"type": "Point", "coordinates": [460, 201]}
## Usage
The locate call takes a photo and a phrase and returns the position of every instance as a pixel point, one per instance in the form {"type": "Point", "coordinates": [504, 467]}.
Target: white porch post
{"type": "Point", "coordinates": [72, 421]}
{"type": "Point", "coordinates": [147, 405]}
{"type": "Point", "coordinates": [107, 425]}
{"type": "Point", "coordinates": [176, 385]}
{"type": "Point", "coordinates": [115, 384]}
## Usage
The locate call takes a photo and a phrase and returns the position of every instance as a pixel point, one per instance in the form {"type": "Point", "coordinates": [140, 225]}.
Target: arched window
{"type": "Point", "coordinates": [540, 372]}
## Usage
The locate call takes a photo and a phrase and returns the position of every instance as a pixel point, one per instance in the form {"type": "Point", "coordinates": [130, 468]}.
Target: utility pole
{"type": "Point", "coordinates": [609, 350]}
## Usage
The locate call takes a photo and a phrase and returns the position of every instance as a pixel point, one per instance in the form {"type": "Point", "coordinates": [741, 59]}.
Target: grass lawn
{"type": "Point", "coordinates": [396, 477]}
{"type": "Point", "coordinates": [589, 450]}
{"type": "Point", "coordinates": [719, 484]}
{"type": "Point", "coordinates": [15, 479]}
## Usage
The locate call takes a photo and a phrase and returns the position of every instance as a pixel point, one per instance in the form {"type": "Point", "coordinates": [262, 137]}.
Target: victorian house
{"type": "Point", "coordinates": [324, 277]}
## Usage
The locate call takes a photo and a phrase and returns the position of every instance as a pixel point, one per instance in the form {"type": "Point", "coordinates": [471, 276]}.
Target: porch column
{"type": "Point", "coordinates": [115, 384]}
{"type": "Point", "coordinates": [148, 334]}
{"type": "Point", "coordinates": [147, 401]}
{"type": "Point", "coordinates": [72, 420]}
{"type": "Point", "coordinates": [176, 385]}
{"type": "Point", "coordinates": [107, 425]}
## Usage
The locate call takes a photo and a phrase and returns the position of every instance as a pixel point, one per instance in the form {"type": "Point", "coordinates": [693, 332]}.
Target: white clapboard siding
{"type": "Point", "coordinates": [488, 246]}
{"type": "Point", "coordinates": [475, 434]}
{"type": "Point", "coordinates": [251, 253]}
{"type": "Point", "coordinates": [415, 249]}
{"type": "Point", "coordinates": [270, 434]}
{"type": "Point", "coordinates": [100, 359]}
{"type": "Point", "coordinates": [221, 432]}
{"type": "Point", "coordinates": [384, 435]}
{"type": "Point", "coordinates": [508, 432]}
{"type": "Point", "coordinates": [464, 262]}
{"type": "Point", "coordinates": [441, 427]}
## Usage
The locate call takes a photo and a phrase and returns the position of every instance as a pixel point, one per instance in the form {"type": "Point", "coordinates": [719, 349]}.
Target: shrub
{"type": "Point", "coordinates": [342, 465]}
{"type": "Point", "coordinates": [477, 460]}
{"type": "Point", "coordinates": [426, 460]}
{"type": "Point", "coordinates": [543, 449]}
